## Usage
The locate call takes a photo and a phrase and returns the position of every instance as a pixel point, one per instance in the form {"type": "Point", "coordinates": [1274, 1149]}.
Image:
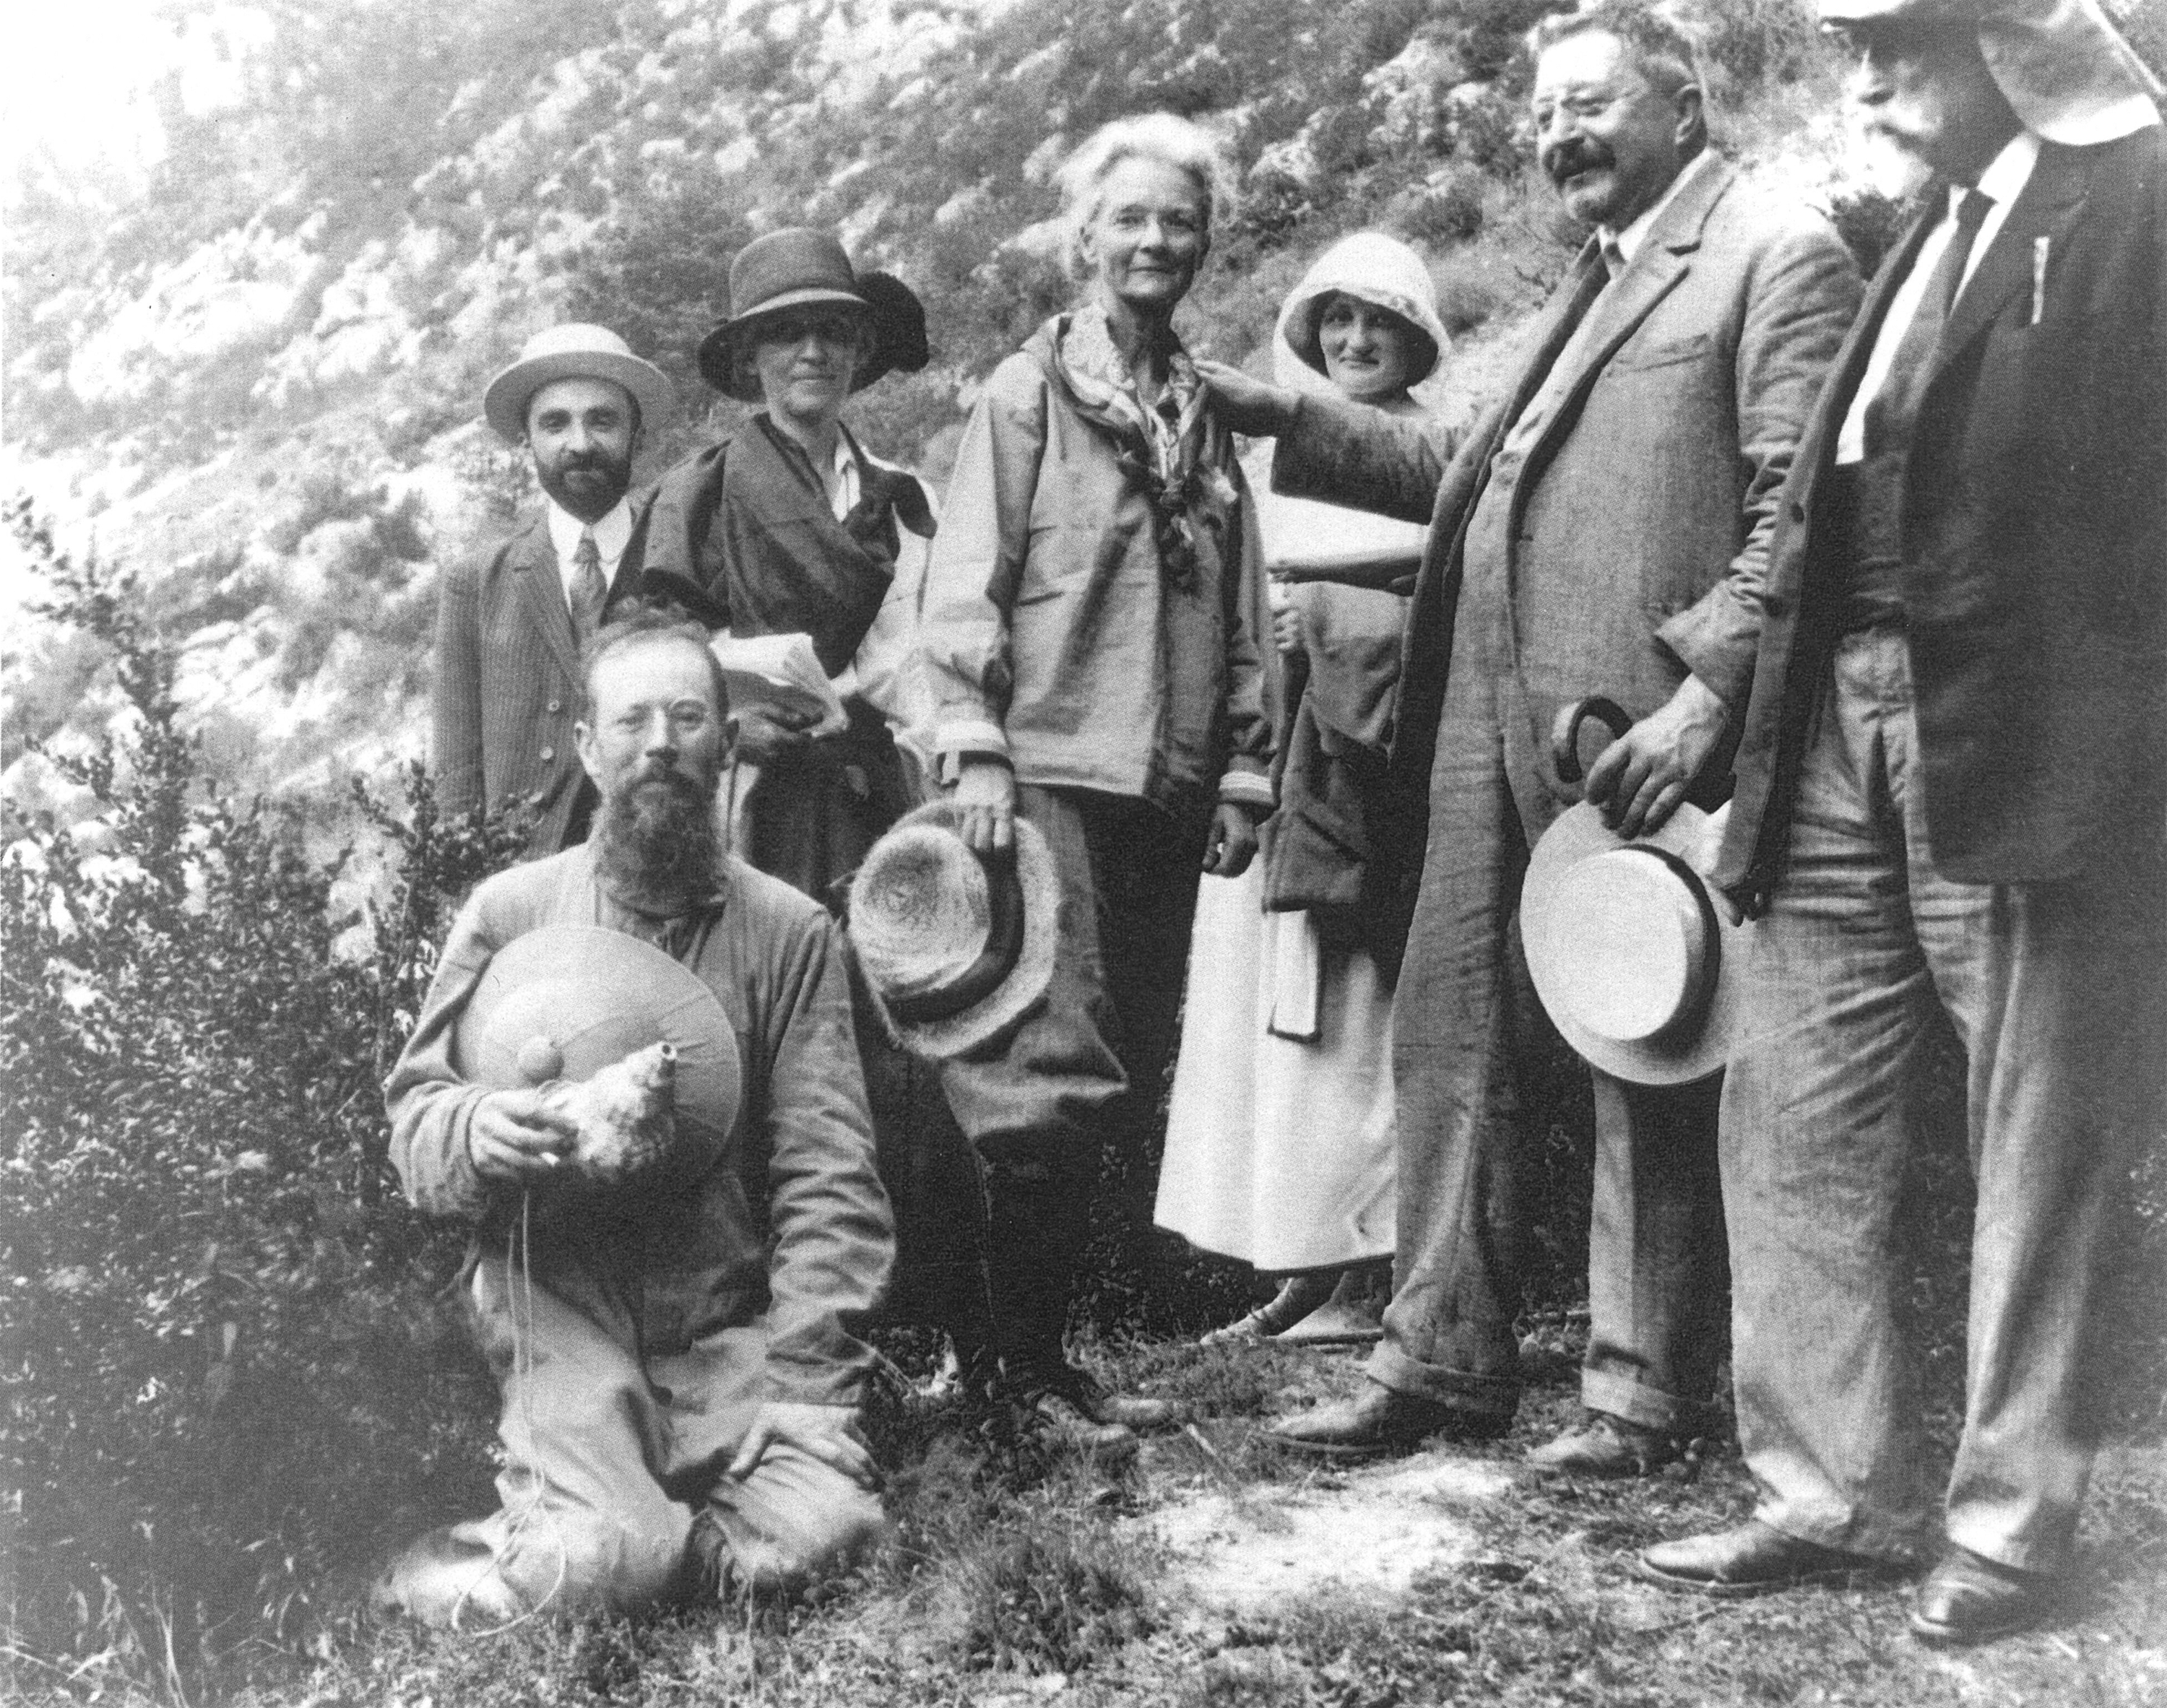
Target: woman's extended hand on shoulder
{"type": "Point", "coordinates": [1244, 404]}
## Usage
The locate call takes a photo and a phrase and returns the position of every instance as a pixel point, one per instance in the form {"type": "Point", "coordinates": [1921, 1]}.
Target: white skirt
{"type": "Point", "coordinates": [1279, 1151]}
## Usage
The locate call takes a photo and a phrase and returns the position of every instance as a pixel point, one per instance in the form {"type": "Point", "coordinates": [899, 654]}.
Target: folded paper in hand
{"type": "Point", "coordinates": [780, 675]}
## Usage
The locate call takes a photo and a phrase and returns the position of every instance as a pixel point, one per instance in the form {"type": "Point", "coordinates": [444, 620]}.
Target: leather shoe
{"type": "Point", "coordinates": [1969, 1598]}
{"type": "Point", "coordinates": [1380, 1420]}
{"type": "Point", "coordinates": [1607, 1447]}
{"type": "Point", "coordinates": [1754, 1559]}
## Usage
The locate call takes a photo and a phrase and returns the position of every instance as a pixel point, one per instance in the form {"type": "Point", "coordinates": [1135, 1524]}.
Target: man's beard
{"type": "Point", "coordinates": [658, 847]}
{"type": "Point", "coordinates": [612, 479]}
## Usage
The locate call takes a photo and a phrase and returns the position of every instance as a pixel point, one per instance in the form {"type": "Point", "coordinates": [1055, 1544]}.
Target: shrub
{"type": "Point", "coordinates": [1452, 213]}
{"type": "Point", "coordinates": [227, 1379]}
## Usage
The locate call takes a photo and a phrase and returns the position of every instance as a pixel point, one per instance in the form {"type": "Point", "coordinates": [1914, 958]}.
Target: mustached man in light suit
{"type": "Point", "coordinates": [1602, 530]}
{"type": "Point", "coordinates": [510, 624]}
{"type": "Point", "coordinates": [1952, 793]}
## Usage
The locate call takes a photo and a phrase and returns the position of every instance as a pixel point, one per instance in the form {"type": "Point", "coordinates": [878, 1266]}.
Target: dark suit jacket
{"type": "Point", "coordinates": [507, 686]}
{"type": "Point", "coordinates": [1639, 526]}
{"type": "Point", "coordinates": [2035, 545]}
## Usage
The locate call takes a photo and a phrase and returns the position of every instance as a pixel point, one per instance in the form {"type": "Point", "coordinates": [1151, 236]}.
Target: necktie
{"type": "Point", "coordinates": [589, 592]}
{"type": "Point", "coordinates": [1613, 256]}
{"type": "Point", "coordinates": [1892, 410]}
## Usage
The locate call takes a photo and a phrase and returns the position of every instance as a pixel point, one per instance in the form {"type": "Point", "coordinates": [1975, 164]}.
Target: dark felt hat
{"type": "Point", "coordinates": [798, 266]}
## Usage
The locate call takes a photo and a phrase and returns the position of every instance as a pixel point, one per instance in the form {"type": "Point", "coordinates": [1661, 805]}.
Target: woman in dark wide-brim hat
{"type": "Point", "coordinates": [789, 526]}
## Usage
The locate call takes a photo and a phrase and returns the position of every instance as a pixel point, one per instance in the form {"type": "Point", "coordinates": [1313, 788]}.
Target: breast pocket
{"type": "Point", "coordinates": [1671, 352]}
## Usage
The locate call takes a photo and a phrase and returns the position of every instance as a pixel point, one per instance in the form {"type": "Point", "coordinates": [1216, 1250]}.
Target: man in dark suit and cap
{"type": "Point", "coordinates": [510, 624]}
{"type": "Point", "coordinates": [1951, 791]}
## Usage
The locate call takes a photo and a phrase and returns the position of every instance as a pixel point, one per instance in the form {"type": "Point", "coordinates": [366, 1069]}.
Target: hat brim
{"type": "Point", "coordinates": [1024, 987]}
{"type": "Point", "coordinates": [892, 308]}
{"type": "Point", "coordinates": [1579, 834]}
{"type": "Point", "coordinates": [597, 996]}
{"type": "Point", "coordinates": [504, 404]}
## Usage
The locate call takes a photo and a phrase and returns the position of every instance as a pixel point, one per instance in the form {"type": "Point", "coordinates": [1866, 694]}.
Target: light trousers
{"type": "Point", "coordinates": [2056, 992]}
{"type": "Point", "coordinates": [606, 1463]}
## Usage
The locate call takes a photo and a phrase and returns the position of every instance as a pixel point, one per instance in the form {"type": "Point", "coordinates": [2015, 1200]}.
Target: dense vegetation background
{"type": "Point", "coordinates": [251, 383]}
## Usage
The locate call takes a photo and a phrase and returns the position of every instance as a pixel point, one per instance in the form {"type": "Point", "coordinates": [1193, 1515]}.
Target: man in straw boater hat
{"type": "Point", "coordinates": [680, 1366]}
{"type": "Point", "coordinates": [1950, 792]}
{"type": "Point", "coordinates": [510, 623]}
{"type": "Point", "coordinates": [1603, 529]}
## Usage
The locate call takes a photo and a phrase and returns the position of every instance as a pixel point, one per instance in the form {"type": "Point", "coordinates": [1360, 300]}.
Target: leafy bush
{"type": "Point", "coordinates": [227, 1379]}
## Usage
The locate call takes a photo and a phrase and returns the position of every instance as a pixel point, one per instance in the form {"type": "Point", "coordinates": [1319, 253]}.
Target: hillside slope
{"type": "Point", "coordinates": [258, 382]}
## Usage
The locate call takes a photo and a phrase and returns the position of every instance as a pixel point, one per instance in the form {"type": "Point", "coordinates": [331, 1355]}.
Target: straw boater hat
{"type": "Point", "coordinates": [563, 1001]}
{"type": "Point", "coordinates": [1381, 270]}
{"type": "Point", "coordinates": [2064, 68]}
{"type": "Point", "coordinates": [955, 947]}
{"type": "Point", "coordinates": [1635, 960]}
{"type": "Point", "coordinates": [575, 350]}
{"type": "Point", "coordinates": [798, 265]}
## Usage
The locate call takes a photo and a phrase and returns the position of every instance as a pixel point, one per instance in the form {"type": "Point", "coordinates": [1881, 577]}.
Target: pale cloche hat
{"type": "Point", "coordinates": [1382, 272]}
{"type": "Point", "coordinates": [574, 351]}
{"type": "Point", "coordinates": [2060, 64]}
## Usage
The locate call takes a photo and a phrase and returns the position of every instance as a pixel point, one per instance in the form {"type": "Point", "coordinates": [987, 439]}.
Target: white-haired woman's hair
{"type": "Point", "coordinates": [1165, 137]}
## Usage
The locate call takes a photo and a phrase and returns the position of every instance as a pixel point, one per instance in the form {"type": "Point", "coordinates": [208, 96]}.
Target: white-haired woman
{"type": "Point", "coordinates": [1280, 1140]}
{"type": "Point", "coordinates": [1090, 628]}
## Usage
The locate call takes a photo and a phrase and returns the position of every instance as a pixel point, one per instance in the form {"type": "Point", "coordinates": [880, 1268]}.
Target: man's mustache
{"type": "Point", "coordinates": [1571, 160]}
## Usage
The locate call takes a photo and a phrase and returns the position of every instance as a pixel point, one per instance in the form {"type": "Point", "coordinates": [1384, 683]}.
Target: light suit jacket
{"type": "Point", "coordinates": [2035, 544]}
{"type": "Point", "coordinates": [1640, 524]}
{"type": "Point", "coordinates": [507, 685]}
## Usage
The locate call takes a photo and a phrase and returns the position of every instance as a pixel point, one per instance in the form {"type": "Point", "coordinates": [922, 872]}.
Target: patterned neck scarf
{"type": "Point", "coordinates": [1168, 451]}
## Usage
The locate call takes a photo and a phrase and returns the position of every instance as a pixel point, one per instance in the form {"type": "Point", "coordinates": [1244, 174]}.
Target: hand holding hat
{"type": "Point", "coordinates": [610, 1061]}
{"type": "Point", "coordinates": [1635, 957]}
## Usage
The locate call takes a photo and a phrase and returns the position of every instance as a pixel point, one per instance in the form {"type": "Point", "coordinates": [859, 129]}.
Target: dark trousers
{"type": "Point", "coordinates": [1079, 1081]}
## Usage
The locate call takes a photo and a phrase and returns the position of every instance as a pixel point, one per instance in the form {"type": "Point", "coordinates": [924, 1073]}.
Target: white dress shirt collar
{"type": "Point", "coordinates": [611, 533]}
{"type": "Point", "coordinates": [843, 496]}
{"type": "Point", "coordinates": [2002, 183]}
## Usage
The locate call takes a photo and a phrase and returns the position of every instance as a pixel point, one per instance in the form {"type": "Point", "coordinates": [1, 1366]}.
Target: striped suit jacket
{"type": "Point", "coordinates": [507, 685]}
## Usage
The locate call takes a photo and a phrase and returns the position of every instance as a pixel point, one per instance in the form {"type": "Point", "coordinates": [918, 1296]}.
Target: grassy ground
{"type": "Point", "coordinates": [1016, 1579]}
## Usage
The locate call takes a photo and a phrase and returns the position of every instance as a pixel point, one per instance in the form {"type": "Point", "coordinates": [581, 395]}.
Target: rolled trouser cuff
{"type": "Point", "coordinates": [1488, 1396]}
{"type": "Point", "coordinates": [1651, 1408]}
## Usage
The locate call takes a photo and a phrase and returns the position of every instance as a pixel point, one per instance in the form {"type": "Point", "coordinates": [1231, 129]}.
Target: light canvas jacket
{"type": "Point", "coordinates": [792, 1267]}
{"type": "Point", "coordinates": [1051, 634]}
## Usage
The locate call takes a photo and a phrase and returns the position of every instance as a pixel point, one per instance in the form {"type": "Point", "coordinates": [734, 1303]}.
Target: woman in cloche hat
{"type": "Point", "coordinates": [789, 526]}
{"type": "Point", "coordinates": [1280, 1140]}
